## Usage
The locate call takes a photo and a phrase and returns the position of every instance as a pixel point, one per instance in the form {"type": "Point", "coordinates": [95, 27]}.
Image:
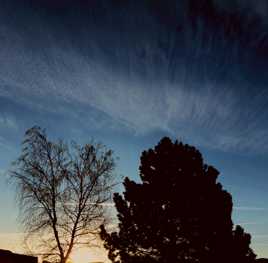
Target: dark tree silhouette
{"type": "Point", "coordinates": [179, 213]}
{"type": "Point", "coordinates": [262, 260]}
{"type": "Point", "coordinates": [62, 191]}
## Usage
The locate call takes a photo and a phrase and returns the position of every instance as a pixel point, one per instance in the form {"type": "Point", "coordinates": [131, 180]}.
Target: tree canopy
{"type": "Point", "coordinates": [62, 190]}
{"type": "Point", "coordinates": [178, 213]}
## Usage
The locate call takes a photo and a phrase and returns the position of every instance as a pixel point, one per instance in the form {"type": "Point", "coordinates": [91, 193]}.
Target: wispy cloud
{"type": "Point", "coordinates": [248, 223]}
{"type": "Point", "coordinates": [140, 82]}
{"type": "Point", "coordinates": [7, 122]}
{"type": "Point", "coordinates": [260, 235]}
{"type": "Point", "coordinates": [249, 208]}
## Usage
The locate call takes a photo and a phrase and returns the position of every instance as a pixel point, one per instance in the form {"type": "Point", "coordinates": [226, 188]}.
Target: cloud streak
{"type": "Point", "coordinates": [139, 74]}
{"type": "Point", "coordinates": [249, 208]}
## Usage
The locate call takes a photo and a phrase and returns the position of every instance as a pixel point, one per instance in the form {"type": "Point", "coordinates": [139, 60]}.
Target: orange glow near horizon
{"type": "Point", "coordinates": [14, 242]}
{"type": "Point", "coordinates": [81, 255]}
{"type": "Point", "coordinates": [88, 255]}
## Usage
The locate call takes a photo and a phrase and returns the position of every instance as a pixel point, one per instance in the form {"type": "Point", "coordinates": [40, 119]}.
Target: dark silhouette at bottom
{"type": "Point", "coordinates": [7, 256]}
{"type": "Point", "coordinates": [262, 260]}
{"type": "Point", "coordinates": [178, 213]}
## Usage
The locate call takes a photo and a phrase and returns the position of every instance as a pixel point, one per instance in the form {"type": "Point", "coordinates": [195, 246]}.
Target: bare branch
{"type": "Point", "coordinates": [61, 191]}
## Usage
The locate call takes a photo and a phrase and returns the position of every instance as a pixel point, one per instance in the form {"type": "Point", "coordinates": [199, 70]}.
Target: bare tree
{"type": "Point", "coordinates": [62, 191]}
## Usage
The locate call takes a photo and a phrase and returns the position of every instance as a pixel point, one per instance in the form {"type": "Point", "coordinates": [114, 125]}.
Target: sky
{"type": "Point", "coordinates": [127, 73]}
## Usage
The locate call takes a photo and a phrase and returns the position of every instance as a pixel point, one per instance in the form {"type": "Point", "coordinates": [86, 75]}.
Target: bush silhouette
{"type": "Point", "coordinates": [178, 213]}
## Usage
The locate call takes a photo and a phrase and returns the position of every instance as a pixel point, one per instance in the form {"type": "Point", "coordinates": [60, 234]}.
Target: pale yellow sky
{"type": "Point", "coordinates": [14, 242]}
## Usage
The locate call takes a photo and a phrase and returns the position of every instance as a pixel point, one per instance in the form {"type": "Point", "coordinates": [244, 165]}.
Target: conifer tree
{"type": "Point", "coordinates": [178, 213]}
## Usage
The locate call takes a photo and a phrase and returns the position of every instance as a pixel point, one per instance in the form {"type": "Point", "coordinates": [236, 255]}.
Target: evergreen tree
{"type": "Point", "coordinates": [178, 213]}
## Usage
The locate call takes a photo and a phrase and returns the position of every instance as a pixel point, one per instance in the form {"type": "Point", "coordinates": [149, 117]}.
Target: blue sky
{"type": "Point", "coordinates": [127, 74]}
